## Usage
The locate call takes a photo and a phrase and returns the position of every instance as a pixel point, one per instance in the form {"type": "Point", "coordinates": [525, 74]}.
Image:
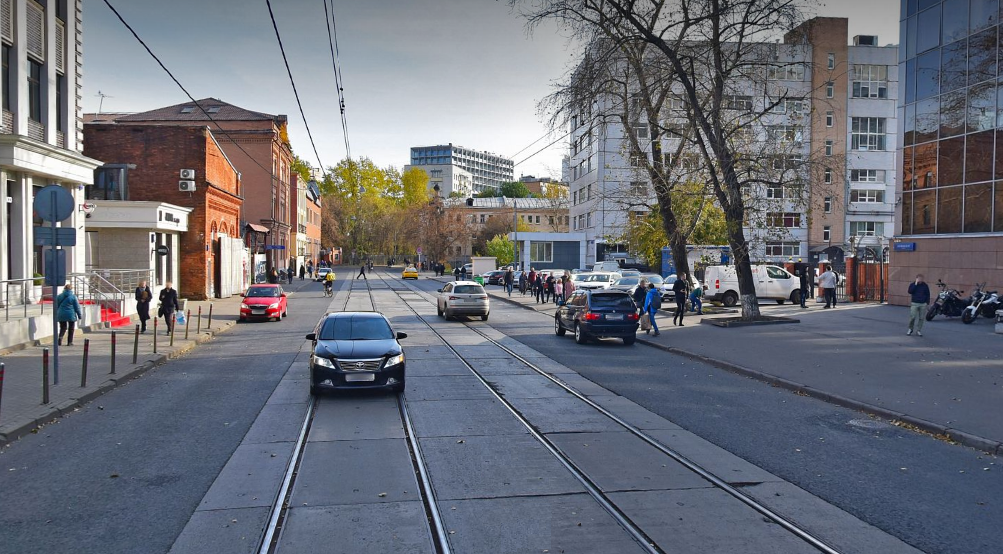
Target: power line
{"type": "Point", "coordinates": [296, 93]}
{"type": "Point", "coordinates": [183, 89]}
{"type": "Point", "coordinates": [332, 39]}
{"type": "Point", "coordinates": [558, 139]}
{"type": "Point", "coordinates": [530, 145]}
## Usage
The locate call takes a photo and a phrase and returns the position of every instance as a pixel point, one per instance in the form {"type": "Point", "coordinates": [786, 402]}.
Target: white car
{"type": "Point", "coordinates": [463, 298]}
{"type": "Point", "coordinates": [668, 294]}
{"type": "Point", "coordinates": [596, 280]}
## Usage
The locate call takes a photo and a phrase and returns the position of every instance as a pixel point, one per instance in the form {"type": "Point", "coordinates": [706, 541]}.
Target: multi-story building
{"type": "Point", "coordinates": [544, 186]}
{"type": "Point", "coordinates": [950, 202]}
{"type": "Point", "coordinates": [306, 206]}
{"type": "Point", "coordinates": [40, 131]}
{"type": "Point", "coordinates": [840, 117]}
{"type": "Point", "coordinates": [452, 180]}
{"type": "Point", "coordinates": [538, 215]}
{"type": "Point", "coordinates": [486, 170]}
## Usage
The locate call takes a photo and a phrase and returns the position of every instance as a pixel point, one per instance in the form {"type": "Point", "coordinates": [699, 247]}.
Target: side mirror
{"type": "Point", "coordinates": [283, 295]}
{"type": "Point", "coordinates": [401, 336]}
{"type": "Point", "coordinates": [242, 294]}
{"type": "Point", "coordinates": [438, 290]}
{"type": "Point", "coordinates": [311, 336]}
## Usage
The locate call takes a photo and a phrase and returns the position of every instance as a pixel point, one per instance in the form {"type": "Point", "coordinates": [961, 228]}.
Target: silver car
{"type": "Point", "coordinates": [463, 298]}
{"type": "Point", "coordinates": [626, 284]}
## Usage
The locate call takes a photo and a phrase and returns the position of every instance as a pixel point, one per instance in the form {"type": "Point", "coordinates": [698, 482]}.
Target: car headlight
{"type": "Point", "coordinates": [273, 306]}
{"type": "Point", "coordinates": [323, 362]}
{"type": "Point", "coordinates": [394, 360]}
{"type": "Point", "coordinates": [243, 306]}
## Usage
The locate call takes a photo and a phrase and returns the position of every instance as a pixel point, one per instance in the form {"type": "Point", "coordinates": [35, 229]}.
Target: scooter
{"type": "Point", "coordinates": [949, 303]}
{"type": "Point", "coordinates": [983, 303]}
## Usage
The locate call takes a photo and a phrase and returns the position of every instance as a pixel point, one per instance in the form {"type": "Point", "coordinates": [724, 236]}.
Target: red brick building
{"type": "Point", "coordinates": [159, 154]}
{"type": "Point", "coordinates": [258, 146]}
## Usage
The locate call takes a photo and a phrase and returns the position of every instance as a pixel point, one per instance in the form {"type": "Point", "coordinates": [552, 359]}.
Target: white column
{"type": "Point", "coordinates": [21, 226]}
{"type": "Point", "coordinates": [5, 227]}
{"type": "Point", "coordinates": [76, 258]}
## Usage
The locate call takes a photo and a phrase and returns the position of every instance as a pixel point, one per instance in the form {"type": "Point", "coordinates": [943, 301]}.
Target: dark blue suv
{"type": "Point", "coordinates": [598, 314]}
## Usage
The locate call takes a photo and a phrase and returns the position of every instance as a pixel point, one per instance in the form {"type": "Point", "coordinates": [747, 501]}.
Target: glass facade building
{"type": "Point", "coordinates": [486, 170]}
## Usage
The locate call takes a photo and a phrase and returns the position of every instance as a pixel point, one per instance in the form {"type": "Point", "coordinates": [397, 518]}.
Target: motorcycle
{"type": "Point", "coordinates": [949, 303]}
{"type": "Point", "coordinates": [983, 303]}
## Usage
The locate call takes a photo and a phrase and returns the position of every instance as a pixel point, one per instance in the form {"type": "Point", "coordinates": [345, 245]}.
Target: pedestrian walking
{"type": "Point", "coordinates": [168, 305]}
{"type": "Point", "coordinates": [362, 272]}
{"type": "Point", "coordinates": [695, 299]}
{"type": "Point", "coordinates": [463, 273]}
{"type": "Point", "coordinates": [639, 293]}
{"type": "Point", "coordinates": [273, 276]}
{"type": "Point", "coordinates": [538, 287]}
{"type": "Point", "coordinates": [652, 301]}
{"type": "Point", "coordinates": [569, 287]}
{"type": "Point", "coordinates": [827, 281]}
{"type": "Point", "coordinates": [509, 278]}
{"type": "Point", "coordinates": [67, 313]}
{"type": "Point", "coordinates": [302, 272]}
{"type": "Point", "coordinates": [548, 290]}
{"type": "Point", "coordinates": [559, 291]}
{"type": "Point", "coordinates": [919, 298]}
{"type": "Point", "coordinates": [290, 274]}
{"type": "Point", "coordinates": [143, 297]}
{"type": "Point", "coordinates": [805, 275]}
{"type": "Point", "coordinates": [680, 290]}
{"type": "Point", "coordinates": [456, 274]}
{"type": "Point", "coordinates": [523, 279]}
{"type": "Point", "coordinates": [309, 270]}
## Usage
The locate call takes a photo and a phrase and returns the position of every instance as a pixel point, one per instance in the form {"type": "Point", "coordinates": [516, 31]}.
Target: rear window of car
{"type": "Point", "coordinates": [262, 291]}
{"type": "Point", "coordinates": [468, 289]}
{"type": "Point", "coordinates": [597, 278]}
{"type": "Point", "coordinates": [627, 281]}
{"type": "Point", "coordinates": [356, 328]}
{"type": "Point", "coordinates": [612, 301]}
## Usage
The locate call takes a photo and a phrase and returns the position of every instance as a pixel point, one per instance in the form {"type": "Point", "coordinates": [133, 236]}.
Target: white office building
{"type": "Point", "coordinates": [485, 170]}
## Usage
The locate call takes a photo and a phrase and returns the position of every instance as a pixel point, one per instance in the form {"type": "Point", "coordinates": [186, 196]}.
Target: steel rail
{"type": "Point", "coordinates": [279, 509]}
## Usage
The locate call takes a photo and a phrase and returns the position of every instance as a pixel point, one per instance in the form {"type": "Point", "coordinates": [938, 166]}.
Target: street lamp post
{"type": "Point", "coordinates": [515, 230]}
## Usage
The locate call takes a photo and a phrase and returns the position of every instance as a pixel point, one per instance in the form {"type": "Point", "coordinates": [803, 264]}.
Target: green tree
{"type": "Point", "coordinates": [514, 189]}
{"type": "Point", "coordinates": [501, 248]}
{"type": "Point", "coordinates": [487, 193]}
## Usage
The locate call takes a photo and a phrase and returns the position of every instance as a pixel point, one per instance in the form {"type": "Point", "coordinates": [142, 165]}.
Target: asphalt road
{"type": "Point", "coordinates": [125, 473]}
{"type": "Point", "coordinates": [938, 497]}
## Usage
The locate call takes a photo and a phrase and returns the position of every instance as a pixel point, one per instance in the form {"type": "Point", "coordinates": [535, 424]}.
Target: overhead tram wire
{"type": "Point", "coordinates": [555, 141]}
{"type": "Point", "coordinates": [530, 145]}
{"type": "Point", "coordinates": [296, 93]}
{"type": "Point", "coordinates": [332, 38]}
{"type": "Point", "coordinates": [183, 89]}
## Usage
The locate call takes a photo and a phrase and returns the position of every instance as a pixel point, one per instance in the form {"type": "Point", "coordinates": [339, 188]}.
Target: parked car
{"type": "Point", "coordinates": [630, 273]}
{"type": "Point", "coordinates": [626, 284]}
{"type": "Point", "coordinates": [468, 269]}
{"type": "Point", "coordinates": [321, 273]}
{"type": "Point", "coordinates": [410, 272]}
{"type": "Point", "coordinates": [264, 302]}
{"type": "Point", "coordinates": [595, 314]}
{"type": "Point", "coordinates": [771, 281]}
{"type": "Point", "coordinates": [611, 267]}
{"type": "Point", "coordinates": [355, 350]}
{"type": "Point", "coordinates": [463, 298]}
{"type": "Point", "coordinates": [597, 280]}
{"type": "Point", "coordinates": [496, 277]}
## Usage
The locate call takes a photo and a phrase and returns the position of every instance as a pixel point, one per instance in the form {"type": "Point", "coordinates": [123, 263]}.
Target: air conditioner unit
{"type": "Point", "coordinates": [186, 186]}
{"type": "Point", "coordinates": [187, 173]}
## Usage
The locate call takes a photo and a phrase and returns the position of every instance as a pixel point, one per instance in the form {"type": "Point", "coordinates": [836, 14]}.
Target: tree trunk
{"type": "Point", "coordinates": [743, 269]}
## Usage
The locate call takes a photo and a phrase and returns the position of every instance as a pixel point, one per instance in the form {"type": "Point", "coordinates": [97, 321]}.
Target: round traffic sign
{"type": "Point", "coordinates": [53, 203]}
{"type": "Point", "coordinates": [162, 250]}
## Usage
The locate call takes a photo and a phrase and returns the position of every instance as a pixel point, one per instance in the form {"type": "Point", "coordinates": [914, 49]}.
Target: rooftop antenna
{"type": "Point", "coordinates": [101, 103]}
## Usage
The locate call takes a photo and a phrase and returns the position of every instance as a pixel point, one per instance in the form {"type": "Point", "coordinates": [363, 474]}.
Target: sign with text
{"type": "Point", "coordinates": [905, 247]}
{"type": "Point", "coordinates": [274, 247]}
{"type": "Point", "coordinates": [55, 236]}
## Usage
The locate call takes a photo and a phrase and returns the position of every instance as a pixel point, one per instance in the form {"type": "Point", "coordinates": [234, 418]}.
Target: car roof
{"type": "Point", "coordinates": [464, 283]}
{"type": "Point", "coordinates": [606, 291]}
{"type": "Point", "coordinates": [363, 315]}
{"type": "Point", "coordinates": [263, 285]}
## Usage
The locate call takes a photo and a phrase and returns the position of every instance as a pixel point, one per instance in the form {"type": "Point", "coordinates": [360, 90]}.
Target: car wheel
{"type": "Point", "coordinates": [438, 309]}
{"type": "Point", "coordinates": [796, 297]}
{"type": "Point", "coordinates": [729, 299]}
{"type": "Point", "coordinates": [780, 301]}
{"type": "Point", "coordinates": [558, 329]}
{"type": "Point", "coordinates": [242, 320]}
{"type": "Point", "coordinates": [314, 390]}
{"type": "Point", "coordinates": [627, 341]}
{"type": "Point", "coordinates": [447, 314]}
{"type": "Point", "coordinates": [580, 336]}
{"type": "Point", "coordinates": [484, 317]}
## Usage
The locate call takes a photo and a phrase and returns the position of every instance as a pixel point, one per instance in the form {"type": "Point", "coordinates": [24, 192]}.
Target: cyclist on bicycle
{"type": "Point", "coordinates": [328, 282]}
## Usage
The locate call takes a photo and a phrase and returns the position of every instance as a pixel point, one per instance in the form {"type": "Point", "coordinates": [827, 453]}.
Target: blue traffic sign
{"type": "Point", "coordinates": [53, 203]}
{"type": "Point", "coordinates": [55, 267]}
{"type": "Point", "coordinates": [274, 247]}
{"type": "Point", "coordinates": [55, 236]}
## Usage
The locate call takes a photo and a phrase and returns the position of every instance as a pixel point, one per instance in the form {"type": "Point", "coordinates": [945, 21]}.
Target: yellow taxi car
{"type": "Point", "coordinates": [410, 272]}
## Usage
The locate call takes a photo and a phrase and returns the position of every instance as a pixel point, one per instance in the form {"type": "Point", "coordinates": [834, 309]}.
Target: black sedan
{"type": "Point", "coordinates": [598, 314]}
{"type": "Point", "coordinates": [356, 350]}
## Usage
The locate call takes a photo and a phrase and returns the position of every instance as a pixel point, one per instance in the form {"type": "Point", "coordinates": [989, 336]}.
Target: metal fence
{"type": "Point", "coordinates": [110, 288]}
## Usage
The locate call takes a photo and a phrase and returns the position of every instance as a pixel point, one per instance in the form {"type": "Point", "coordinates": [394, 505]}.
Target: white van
{"type": "Point", "coordinates": [611, 267]}
{"type": "Point", "coordinates": [774, 282]}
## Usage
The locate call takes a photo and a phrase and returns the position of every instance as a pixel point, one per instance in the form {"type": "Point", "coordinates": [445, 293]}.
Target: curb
{"type": "Point", "coordinates": [989, 446]}
{"type": "Point", "coordinates": [56, 411]}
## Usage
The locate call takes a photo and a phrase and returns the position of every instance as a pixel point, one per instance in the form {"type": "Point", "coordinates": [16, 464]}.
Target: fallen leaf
{"type": "Point", "coordinates": [382, 494]}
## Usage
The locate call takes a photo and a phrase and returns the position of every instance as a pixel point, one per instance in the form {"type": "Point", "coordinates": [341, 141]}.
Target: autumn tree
{"type": "Point", "coordinates": [501, 248]}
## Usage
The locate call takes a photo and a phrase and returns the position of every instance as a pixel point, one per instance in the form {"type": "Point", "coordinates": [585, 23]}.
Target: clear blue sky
{"type": "Point", "coordinates": [415, 72]}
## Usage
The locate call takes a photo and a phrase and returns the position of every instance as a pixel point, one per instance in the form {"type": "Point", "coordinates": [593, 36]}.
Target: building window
{"type": "Point", "coordinates": [869, 81]}
{"type": "Point", "coordinates": [867, 175]}
{"type": "Point", "coordinates": [7, 88]}
{"type": "Point", "coordinates": [778, 192]}
{"type": "Point", "coordinates": [789, 220]}
{"type": "Point", "coordinates": [639, 189]}
{"type": "Point", "coordinates": [867, 133]}
{"type": "Point", "coordinates": [827, 176]}
{"type": "Point", "coordinates": [829, 119]}
{"type": "Point", "coordinates": [786, 72]}
{"type": "Point", "coordinates": [827, 204]}
{"type": "Point", "coordinates": [828, 147]}
{"type": "Point", "coordinates": [830, 89]}
{"type": "Point", "coordinates": [783, 249]}
{"type": "Point", "coordinates": [736, 102]}
{"type": "Point", "coordinates": [867, 228]}
{"type": "Point", "coordinates": [640, 129]}
{"type": "Point", "coordinates": [35, 91]}
{"type": "Point", "coordinates": [830, 62]}
{"type": "Point", "coordinates": [588, 219]}
{"type": "Point", "coordinates": [786, 133]}
{"type": "Point", "coordinates": [541, 252]}
{"type": "Point", "coordinates": [870, 196]}
{"type": "Point", "coordinates": [60, 107]}
{"type": "Point", "coordinates": [827, 233]}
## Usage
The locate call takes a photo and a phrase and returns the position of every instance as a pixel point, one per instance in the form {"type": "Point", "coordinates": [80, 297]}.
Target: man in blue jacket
{"type": "Point", "coordinates": [919, 294]}
{"type": "Point", "coordinates": [651, 302]}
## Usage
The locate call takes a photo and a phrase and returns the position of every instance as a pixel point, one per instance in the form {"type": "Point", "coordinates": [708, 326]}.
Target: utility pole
{"type": "Point", "coordinates": [515, 229]}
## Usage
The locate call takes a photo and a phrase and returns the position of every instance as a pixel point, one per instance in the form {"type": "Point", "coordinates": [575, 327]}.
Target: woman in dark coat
{"type": "Point", "coordinates": [169, 304]}
{"type": "Point", "coordinates": [143, 297]}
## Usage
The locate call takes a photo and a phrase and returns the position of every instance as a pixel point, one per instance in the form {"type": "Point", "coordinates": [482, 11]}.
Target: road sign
{"type": "Point", "coordinates": [274, 247]}
{"type": "Point", "coordinates": [53, 203]}
{"type": "Point", "coordinates": [88, 207]}
{"type": "Point", "coordinates": [162, 250]}
{"type": "Point", "coordinates": [419, 250]}
{"type": "Point", "coordinates": [59, 236]}
{"type": "Point", "coordinates": [55, 269]}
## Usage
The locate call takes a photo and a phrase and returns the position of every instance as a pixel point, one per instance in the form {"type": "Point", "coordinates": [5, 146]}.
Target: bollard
{"type": "Point", "coordinates": [1, 386]}
{"type": "Point", "coordinates": [174, 323]}
{"type": "Point", "coordinates": [188, 323]}
{"type": "Point", "coordinates": [135, 347]}
{"type": "Point", "coordinates": [155, 335]}
{"type": "Point", "coordinates": [45, 376]}
{"type": "Point", "coordinates": [113, 344]}
{"type": "Point", "coordinates": [198, 326]}
{"type": "Point", "coordinates": [209, 326]}
{"type": "Point", "coordinates": [83, 369]}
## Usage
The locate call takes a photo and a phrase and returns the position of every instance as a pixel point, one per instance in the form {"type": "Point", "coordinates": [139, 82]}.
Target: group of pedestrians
{"type": "Point", "coordinates": [547, 287]}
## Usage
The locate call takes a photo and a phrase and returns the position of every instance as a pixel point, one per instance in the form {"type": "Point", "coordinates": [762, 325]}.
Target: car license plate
{"type": "Point", "coordinates": [614, 317]}
{"type": "Point", "coordinates": [360, 377]}
{"type": "Point", "coordinates": [258, 312]}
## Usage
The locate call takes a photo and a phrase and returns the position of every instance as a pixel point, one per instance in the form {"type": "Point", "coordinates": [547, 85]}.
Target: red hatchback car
{"type": "Point", "coordinates": [264, 302]}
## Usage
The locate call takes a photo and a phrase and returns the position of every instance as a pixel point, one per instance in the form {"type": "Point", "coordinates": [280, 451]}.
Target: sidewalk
{"type": "Point", "coordinates": [948, 382]}
{"type": "Point", "coordinates": [21, 408]}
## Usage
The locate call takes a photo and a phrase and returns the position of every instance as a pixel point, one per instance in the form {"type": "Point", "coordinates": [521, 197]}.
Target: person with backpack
{"type": "Point", "coordinates": [652, 303]}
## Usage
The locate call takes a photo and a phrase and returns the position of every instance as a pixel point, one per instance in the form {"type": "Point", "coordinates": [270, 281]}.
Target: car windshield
{"type": "Point", "coordinates": [596, 278]}
{"type": "Point", "coordinates": [356, 328]}
{"type": "Point", "coordinates": [268, 292]}
{"type": "Point", "coordinates": [654, 279]}
{"type": "Point", "coordinates": [468, 289]}
{"type": "Point", "coordinates": [612, 301]}
{"type": "Point", "coordinates": [627, 281]}
{"type": "Point", "coordinates": [579, 277]}
{"type": "Point", "coordinates": [409, 268]}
